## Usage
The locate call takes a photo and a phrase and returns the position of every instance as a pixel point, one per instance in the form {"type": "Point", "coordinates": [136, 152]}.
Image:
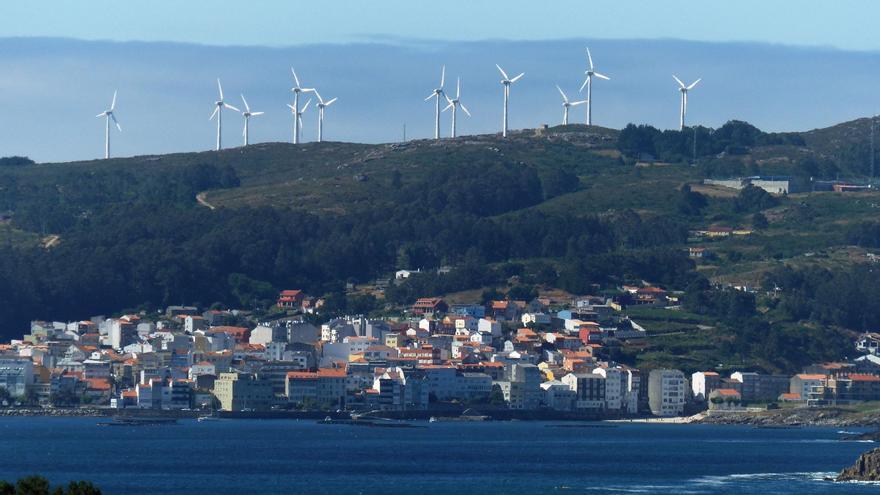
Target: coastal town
{"type": "Point", "coordinates": [530, 359]}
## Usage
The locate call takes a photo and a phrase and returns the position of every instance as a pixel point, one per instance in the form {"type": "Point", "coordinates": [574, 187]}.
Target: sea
{"type": "Point", "coordinates": [297, 456]}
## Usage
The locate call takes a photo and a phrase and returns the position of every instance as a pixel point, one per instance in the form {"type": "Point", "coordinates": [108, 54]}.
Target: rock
{"type": "Point", "coordinates": [866, 468]}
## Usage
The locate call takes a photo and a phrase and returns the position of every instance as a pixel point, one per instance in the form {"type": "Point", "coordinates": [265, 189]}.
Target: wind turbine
{"type": "Point", "coordinates": [297, 115]}
{"type": "Point", "coordinates": [321, 106]}
{"type": "Point", "coordinates": [568, 104]}
{"type": "Point", "coordinates": [108, 114]}
{"type": "Point", "coordinates": [247, 118]}
{"type": "Point", "coordinates": [437, 93]}
{"type": "Point", "coordinates": [588, 83]}
{"type": "Point", "coordinates": [507, 81]}
{"type": "Point", "coordinates": [218, 111]}
{"type": "Point", "coordinates": [297, 89]}
{"type": "Point", "coordinates": [684, 97]}
{"type": "Point", "coordinates": [454, 103]}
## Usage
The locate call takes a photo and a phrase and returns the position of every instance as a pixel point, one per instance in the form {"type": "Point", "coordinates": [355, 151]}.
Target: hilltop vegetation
{"type": "Point", "coordinates": [571, 208]}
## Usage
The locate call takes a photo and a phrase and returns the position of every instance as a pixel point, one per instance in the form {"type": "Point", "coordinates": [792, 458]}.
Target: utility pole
{"type": "Point", "coordinates": [873, 119]}
{"type": "Point", "coordinates": [404, 132]}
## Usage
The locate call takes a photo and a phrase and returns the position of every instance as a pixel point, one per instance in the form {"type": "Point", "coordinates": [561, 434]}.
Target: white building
{"type": "Point", "coordinates": [667, 392]}
{"type": "Point", "coordinates": [16, 374]}
{"type": "Point", "coordinates": [489, 326]}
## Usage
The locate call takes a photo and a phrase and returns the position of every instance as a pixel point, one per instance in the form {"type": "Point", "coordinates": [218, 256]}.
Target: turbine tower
{"type": "Point", "coordinates": [684, 98]}
{"type": "Point", "coordinates": [568, 104]}
{"type": "Point", "coordinates": [108, 114]}
{"type": "Point", "coordinates": [588, 83]}
{"type": "Point", "coordinates": [507, 81]}
{"type": "Point", "coordinates": [321, 106]}
{"type": "Point", "coordinates": [297, 116]}
{"type": "Point", "coordinates": [437, 93]}
{"type": "Point", "coordinates": [218, 111]}
{"type": "Point", "coordinates": [247, 118]}
{"type": "Point", "coordinates": [297, 89]}
{"type": "Point", "coordinates": [454, 103]}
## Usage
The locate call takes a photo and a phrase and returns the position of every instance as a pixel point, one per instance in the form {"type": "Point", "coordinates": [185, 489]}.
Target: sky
{"type": "Point", "coordinates": [780, 65]}
{"type": "Point", "coordinates": [844, 24]}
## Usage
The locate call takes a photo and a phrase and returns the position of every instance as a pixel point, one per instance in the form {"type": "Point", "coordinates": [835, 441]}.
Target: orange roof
{"type": "Point", "coordinates": [98, 384]}
{"type": "Point", "coordinates": [807, 376]}
{"type": "Point", "coordinates": [321, 373]}
{"type": "Point", "coordinates": [710, 373]}
{"type": "Point", "coordinates": [790, 396]}
{"type": "Point", "coordinates": [727, 392]}
{"type": "Point", "coordinates": [862, 377]}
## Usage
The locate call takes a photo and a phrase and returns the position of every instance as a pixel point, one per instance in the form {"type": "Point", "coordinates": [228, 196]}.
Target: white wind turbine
{"type": "Point", "coordinates": [507, 81]}
{"type": "Point", "coordinates": [568, 104]}
{"type": "Point", "coordinates": [437, 93]}
{"type": "Point", "coordinates": [297, 89]}
{"type": "Point", "coordinates": [247, 118]}
{"type": "Point", "coordinates": [454, 103]}
{"type": "Point", "coordinates": [588, 83]}
{"type": "Point", "coordinates": [297, 116]}
{"type": "Point", "coordinates": [684, 98]}
{"type": "Point", "coordinates": [218, 112]}
{"type": "Point", "coordinates": [108, 114]}
{"type": "Point", "coordinates": [321, 106]}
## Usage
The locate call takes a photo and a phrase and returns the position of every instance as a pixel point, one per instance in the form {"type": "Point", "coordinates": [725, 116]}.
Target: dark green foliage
{"type": "Point", "coordinates": [37, 485]}
{"type": "Point", "coordinates": [759, 221]}
{"type": "Point", "coordinates": [864, 234]}
{"type": "Point", "coordinates": [754, 199]}
{"type": "Point", "coordinates": [689, 202]}
{"type": "Point", "coordinates": [15, 161]}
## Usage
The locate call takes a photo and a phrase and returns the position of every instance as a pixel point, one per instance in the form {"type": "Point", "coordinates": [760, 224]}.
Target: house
{"type": "Point", "coordinates": [429, 306]}
{"type": "Point", "coordinates": [558, 396]}
{"type": "Point", "coordinates": [809, 387]}
{"type": "Point", "coordinates": [589, 389]}
{"type": "Point", "coordinates": [291, 299]}
{"type": "Point", "coordinates": [667, 392]}
{"type": "Point", "coordinates": [522, 386]}
{"type": "Point", "coordinates": [322, 388]}
{"type": "Point", "coordinates": [725, 399]}
{"type": "Point", "coordinates": [869, 343]}
{"type": "Point", "coordinates": [703, 383]}
{"type": "Point", "coordinates": [243, 392]}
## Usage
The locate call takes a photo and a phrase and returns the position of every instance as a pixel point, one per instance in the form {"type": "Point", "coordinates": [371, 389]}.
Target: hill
{"type": "Point", "coordinates": [572, 208]}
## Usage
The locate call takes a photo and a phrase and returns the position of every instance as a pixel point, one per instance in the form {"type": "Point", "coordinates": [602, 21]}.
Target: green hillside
{"type": "Point", "coordinates": [571, 208]}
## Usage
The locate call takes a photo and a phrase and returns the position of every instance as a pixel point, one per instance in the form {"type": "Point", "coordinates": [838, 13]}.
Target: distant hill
{"type": "Point", "coordinates": [568, 207]}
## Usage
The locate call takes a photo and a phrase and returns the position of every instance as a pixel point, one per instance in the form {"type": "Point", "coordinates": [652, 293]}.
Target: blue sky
{"type": "Point", "coordinates": [845, 24]}
{"type": "Point", "coordinates": [780, 65]}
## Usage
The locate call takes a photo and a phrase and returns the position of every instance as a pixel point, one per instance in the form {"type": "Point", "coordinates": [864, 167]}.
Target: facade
{"type": "Point", "coordinates": [589, 389]}
{"type": "Point", "coordinates": [242, 392]}
{"type": "Point", "coordinates": [16, 374]}
{"type": "Point", "coordinates": [667, 392]}
{"type": "Point", "coordinates": [703, 383]}
{"type": "Point", "coordinates": [322, 388]}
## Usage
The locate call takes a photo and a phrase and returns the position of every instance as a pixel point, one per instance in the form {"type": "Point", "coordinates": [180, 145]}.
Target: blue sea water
{"type": "Point", "coordinates": [287, 456]}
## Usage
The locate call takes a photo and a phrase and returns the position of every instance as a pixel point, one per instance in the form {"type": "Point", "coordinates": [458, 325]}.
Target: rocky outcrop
{"type": "Point", "coordinates": [866, 468]}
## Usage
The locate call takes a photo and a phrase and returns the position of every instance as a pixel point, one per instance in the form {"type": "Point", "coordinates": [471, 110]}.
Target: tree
{"type": "Point", "coordinates": [759, 221]}
{"type": "Point", "coordinates": [754, 199]}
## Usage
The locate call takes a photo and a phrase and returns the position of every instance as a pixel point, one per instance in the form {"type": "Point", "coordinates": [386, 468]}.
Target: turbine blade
{"type": "Point", "coordinates": [517, 78]}
{"type": "Point", "coordinates": [584, 85]}
{"type": "Point", "coordinates": [590, 58]}
{"type": "Point", "coordinates": [306, 106]}
{"type": "Point", "coordinates": [678, 81]}
{"type": "Point", "coordinates": [579, 102]}
{"type": "Point", "coordinates": [457, 88]}
{"type": "Point", "coordinates": [442, 76]}
{"type": "Point", "coordinates": [227, 105]}
{"type": "Point", "coordinates": [564, 98]}
{"type": "Point", "coordinates": [219, 87]}
{"type": "Point", "coordinates": [450, 105]}
{"type": "Point", "coordinates": [448, 99]}
{"type": "Point", "coordinates": [464, 108]}
{"type": "Point", "coordinates": [291, 107]}
{"type": "Point", "coordinates": [431, 96]}
{"type": "Point", "coordinates": [116, 122]}
{"type": "Point", "coordinates": [502, 71]}
{"type": "Point", "coordinates": [308, 90]}
{"type": "Point", "coordinates": [102, 114]}
{"type": "Point", "coordinates": [321, 100]}
{"type": "Point", "coordinates": [244, 129]}
{"type": "Point", "coordinates": [246, 107]}
{"type": "Point", "coordinates": [331, 101]}
{"type": "Point", "coordinates": [694, 83]}
{"type": "Point", "coordinates": [295, 79]}
{"type": "Point", "coordinates": [601, 76]}
{"type": "Point", "coordinates": [113, 104]}
{"type": "Point", "coordinates": [216, 109]}
{"type": "Point", "coordinates": [254, 114]}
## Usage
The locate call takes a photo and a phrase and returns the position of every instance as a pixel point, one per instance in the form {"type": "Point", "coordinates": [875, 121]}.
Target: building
{"type": "Point", "coordinates": [810, 388]}
{"type": "Point", "coordinates": [429, 306]}
{"type": "Point", "coordinates": [558, 396]}
{"type": "Point", "coordinates": [758, 387]}
{"type": "Point", "coordinates": [243, 392]}
{"type": "Point", "coordinates": [290, 299]}
{"type": "Point", "coordinates": [322, 388]}
{"type": "Point", "coordinates": [703, 383]}
{"type": "Point", "coordinates": [589, 389]}
{"type": "Point", "coordinates": [667, 392]}
{"type": "Point", "coordinates": [724, 399]}
{"type": "Point", "coordinates": [522, 386]}
{"type": "Point", "coordinates": [16, 374]}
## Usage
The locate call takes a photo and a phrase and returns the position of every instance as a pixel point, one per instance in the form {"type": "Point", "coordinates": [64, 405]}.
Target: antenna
{"type": "Point", "coordinates": [404, 132]}
{"type": "Point", "coordinates": [873, 120]}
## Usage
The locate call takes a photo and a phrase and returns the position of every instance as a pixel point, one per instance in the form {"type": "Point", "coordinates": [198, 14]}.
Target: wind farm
{"type": "Point", "coordinates": [438, 94]}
